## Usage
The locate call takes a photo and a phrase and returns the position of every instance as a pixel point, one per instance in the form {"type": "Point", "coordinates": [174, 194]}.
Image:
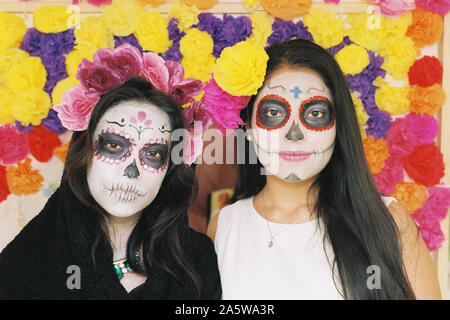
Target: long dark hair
{"type": "Point", "coordinates": [161, 226]}
{"type": "Point", "coordinates": [357, 223]}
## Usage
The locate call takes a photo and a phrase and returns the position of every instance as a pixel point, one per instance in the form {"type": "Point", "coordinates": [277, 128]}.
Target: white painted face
{"type": "Point", "coordinates": [132, 150]}
{"type": "Point", "coordinates": [293, 126]}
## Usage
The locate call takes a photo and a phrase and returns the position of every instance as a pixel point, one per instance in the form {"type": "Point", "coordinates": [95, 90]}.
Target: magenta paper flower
{"type": "Point", "coordinates": [182, 90]}
{"type": "Point", "coordinates": [391, 174]}
{"type": "Point", "coordinates": [13, 144]}
{"type": "Point", "coordinates": [393, 8]}
{"type": "Point", "coordinates": [223, 108]}
{"type": "Point", "coordinates": [96, 78]}
{"type": "Point", "coordinates": [76, 108]}
{"type": "Point", "coordinates": [437, 6]}
{"type": "Point", "coordinates": [125, 60]}
{"type": "Point", "coordinates": [423, 128]}
{"type": "Point", "coordinates": [155, 71]}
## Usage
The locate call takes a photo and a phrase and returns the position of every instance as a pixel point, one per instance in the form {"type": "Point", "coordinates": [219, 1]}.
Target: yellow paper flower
{"type": "Point", "coordinates": [8, 58]}
{"type": "Point", "coordinates": [400, 54]}
{"type": "Point", "coordinates": [261, 28]}
{"type": "Point", "coordinates": [391, 99]}
{"type": "Point", "coordinates": [53, 19]}
{"type": "Point", "coordinates": [376, 151]}
{"type": "Point", "coordinates": [22, 179]}
{"type": "Point", "coordinates": [199, 67]}
{"type": "Point", "coordinates": [410, 195]}
{"type": "Point", "coordinates": [12, 30]}
{"type": "Point", "coordinates": [75, 57]}
{"type": "Point", "coordinates": [251, 4]}
{"type": "Point", "coordinates": [326, 28]}
{"type": "Point", "coordinates": [94, 34]}
{"type": "Point", "coordinates": [31, 106]}
{"type": "Point", "coordinates": [240, 69]}
{"type": "Point", "coordinates": [152, 33]}
{"type": "Point", "coordinates": [62, 86]}
{"type": "Point", "coordinates": [29, 73]}
{"type": "Point", "coordinates": [7, 97]}
{"type": "Point", "coordinates": [122, 17]}
{"type": "Point", "coordinates": [186, 15]}
{"type": "Point", "coordinates": [360, 113]}
{"type": "Point", "coordinates": [153, 3]}
{"type": "Point", "coordinates": [352, 59]}
{"type": "Point", "coordinates": [200, 4]}
{"type": "Point", "coordinates": [196, 42]}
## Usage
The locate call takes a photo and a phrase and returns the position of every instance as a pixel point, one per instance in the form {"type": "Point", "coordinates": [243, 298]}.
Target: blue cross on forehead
{"type": "Point", "coordinates": [296, 91]}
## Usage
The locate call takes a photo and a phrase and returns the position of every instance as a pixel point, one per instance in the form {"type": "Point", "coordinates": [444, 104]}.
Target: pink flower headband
{"type": "Point", "coordinates": [112, 67]}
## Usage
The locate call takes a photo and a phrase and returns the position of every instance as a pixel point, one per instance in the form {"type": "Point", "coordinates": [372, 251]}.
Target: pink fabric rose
{"type": "Point", "coordinates": [393, 8]}
{"type": "Point", "coordinates": [96, 78]}
{"type": "Point", "coordinates": [182, 90]}
{"type": "Point", "coordinates": [13, 144]}
{"type": "Point", "coordinates": [155, 71]}
{"type": "Point", "coordinates": [76, 108]}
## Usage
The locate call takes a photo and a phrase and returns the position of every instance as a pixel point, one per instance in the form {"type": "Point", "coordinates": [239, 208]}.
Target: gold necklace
{"type": "Point", "coordinates": [270, 243]}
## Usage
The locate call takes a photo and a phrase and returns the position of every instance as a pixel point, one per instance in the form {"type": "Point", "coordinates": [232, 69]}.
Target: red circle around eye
{"type": "Point", "coordinates": [274, 97]}
{"type": "Point", "coordinates": [303, 106]}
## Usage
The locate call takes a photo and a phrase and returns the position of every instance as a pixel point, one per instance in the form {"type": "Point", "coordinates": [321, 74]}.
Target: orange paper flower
{"type": "Point", "coordinates": [23, 180]}
{"type": "Point", "coordinates": [153, 3]}
{"type": "Point", "coordinates": [376, 152]}
{"type": "Point", "coordinates": [61, 151]}
{"type": "Point", "coordinates": [286, 9]}
{"type": "Point", "coordinates": [426, 100]}
{"type": "Point", "coordinates": [410, 195]}
{"type": "Point", "coordinates": [426, 27]}
{"type": "Point", "coordinates": [200, 4]}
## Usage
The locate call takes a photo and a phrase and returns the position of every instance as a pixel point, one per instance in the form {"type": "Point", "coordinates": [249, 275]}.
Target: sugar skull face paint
{"type": "Point", "coordinates": [131, 156]}
{"type": "Point", "coordinates": [293, 124]}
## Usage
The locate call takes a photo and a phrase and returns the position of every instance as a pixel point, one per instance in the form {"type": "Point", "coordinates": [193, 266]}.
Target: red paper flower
{"type": "Point", "coordinates": [425, 72]}
{"type": "Point", "coordinates": [4, 189]}
{"type": "Point", "coordinates": [42, 142]}
{"type": "Point", "coordinates": [425, 165]}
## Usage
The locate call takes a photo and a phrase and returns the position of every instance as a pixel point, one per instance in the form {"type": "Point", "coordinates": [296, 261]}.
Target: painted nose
{"type": "Point", "coordinates": [132, 171]}
{"type": "Point", "coordinates": [294, 134]}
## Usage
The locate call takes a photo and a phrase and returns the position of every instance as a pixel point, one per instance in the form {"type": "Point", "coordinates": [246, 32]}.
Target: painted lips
{"type": "Point", "coordinates": [294, 155]}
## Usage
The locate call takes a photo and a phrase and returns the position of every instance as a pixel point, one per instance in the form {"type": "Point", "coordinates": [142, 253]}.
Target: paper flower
{"type": "Point", "coordinates": [186, 15]}
{"type": "Point", "coordinates": [360, 114]}
{"type": "Point", "coordinates": [4, 189]}
{"type": "Point", "coordinates": [425, 72]}
{"type": "Point", "coordinates": [261, 28]}
{"type": "Point", "coordinates": [56, 71]}
{"type": "Point", "coordinates": [393, 8]}
{"type": "Point", "coordinates": [61, 151]}
{"type": "Point", "coordinates": [432, 235]}
{"type": "Point", "coordinates": [378, 124]}
{"type": "Point", "coordinates": [285, 9]}
{"type": "Point", "coordinates": [438, 6]}
{"type": "Point", "coordinates": [9, 58]}
{"type": "Point", "coordinates": [426, 27]}
{"type": "Point", "coordinates": [42, 142]}
{"type": "Point", "coordinates": [52, 122]}
{"type": "Point", "coordinates": [62, 86]}
{"type": "Point", "coordinates": [6, 101]}
{"type": "Point", "coordinates": [376, 152]}
{"type": "Point", "coordinates": [13, 144]}
{"type": "Point", "coordinates": [326, 28]}
{"type": "Point", "coordinates": [41, 44]}
{"type": "Point", "coordinates": [152, 33]}
{"type": "Point", "coordinates": [282, 30]}
{"type": "Point", "coordinates": [423, 129]}
{"type": "Point", "coordinates": [352, 59]}
{"type": "Point", "coordinates": [23, 180]}
{"type": "Point", "coordinates": [391, 174]}
{"type": "Point", "coordinates": [195, 43]}
{"type": "Point", "coordinates": [28, 73]}
{"type": "Point", "coordinates": [400, 54]}
{"type": "Point", "coordinates": [438, 202]}
{"type": "Point", "coordinates": [12, 30]}
{"type": "Point", "coordinates": [399, 138]}
{"type": "Point", "coordinates": [200, 4]}
{"type": "Point", "coordinates": [223, 108]}
{"type": "Point", "coordinates": [426, 100]}
{"type": "Point", "coordinates": [122, 17]}
{"type": "Point", "coordinates": [131, 39]}
{"type": "Point", "coordinates": [410, 195]}
{"type": "Point", "coordinates": [93, 34]}
{"type": "Point", "coordinates": [53, 19]}
{"type": "Point", "coordinates": [75, 57]}
{"type": "Point", "coordinates": [31, 106]}
{"type": "Point", "coordinates": [198, 66]}
{"type": "Point", "coordinates": [425, 165]}
{"type": "Point", "coordinates": [94, 2]}
{"type": "Point", "coordinates": [76, 108]}
{"type": "Point", "coordinates": [391, 99]}
{"type": "Point", "coordinates": [240, 70]}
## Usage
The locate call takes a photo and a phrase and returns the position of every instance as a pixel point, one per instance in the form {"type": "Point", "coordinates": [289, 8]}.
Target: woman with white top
{"type": "Point", "coordinates": [309, 222]}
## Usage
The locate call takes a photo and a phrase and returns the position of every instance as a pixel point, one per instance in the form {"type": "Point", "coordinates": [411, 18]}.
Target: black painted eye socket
{"type": "Point", "coordinates": [317, 114]}
{"type": "Point", "coordinates": [113, 146]}
{"type": "Point", "coordinates": [272, 112]}
{"type": "Point", "coordinates": [154, 155]}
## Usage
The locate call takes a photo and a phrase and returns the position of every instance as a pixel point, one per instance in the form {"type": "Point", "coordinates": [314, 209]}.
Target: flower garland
{"type": "Point", "coordinates": [39, 64]}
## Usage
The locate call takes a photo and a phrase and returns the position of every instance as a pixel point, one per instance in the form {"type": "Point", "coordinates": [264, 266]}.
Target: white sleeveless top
{"type": "Point", "coordinates": [295, 267]}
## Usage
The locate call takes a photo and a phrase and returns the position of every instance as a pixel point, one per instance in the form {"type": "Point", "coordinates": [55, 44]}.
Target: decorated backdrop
{"type": "Point", "coordinates": [388, 55]}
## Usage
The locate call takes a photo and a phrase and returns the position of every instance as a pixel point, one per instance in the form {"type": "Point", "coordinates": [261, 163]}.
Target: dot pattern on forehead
{"type": "Point", "coordinates": [305, 106]}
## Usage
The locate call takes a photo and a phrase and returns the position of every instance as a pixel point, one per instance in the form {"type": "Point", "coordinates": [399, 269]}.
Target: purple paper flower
{"type": "Point", "coordinates": [131, 39]}
{"type": "Point", "coordinates": [22, 128]}
{"type": "Point", "coordinates": [174, 32]}
{"type": "Point", "coordinates": [56, 71]}
{"type": "Point", "coordinates": [39, 44]}
{"type": "Point", "coordinates": [378, 124]}
{"type": "Point", "coordinates": [173, 53]}
{"type": "Point", "coordinates": [335, 49]}
{"type": "Point", "coordinates": [282, 30]}
{"type": "Point", "coordinates": [52, 122]}
{"type": "Point", "coordinates": [302, 31]}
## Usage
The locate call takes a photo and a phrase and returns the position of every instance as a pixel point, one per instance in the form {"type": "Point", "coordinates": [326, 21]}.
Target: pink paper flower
{"type": "Point", "coordinates": [182, 90]}
{"type": "Point", "coordinates": [391, 174]}
{"type": "Point", "coordinates": [437, 203]}
{"type": "Point", "coordinates": [437, 6]}
{"type": "Point", "coordinates": [13, 144]}
{"type": "Point", "coordinates": [400, 139]}
{"type": "Point", "coordinates": [126, 60]}
{"type": "Point", "coordinates": [155, 71]}
{"type": "Point", "coordinates": [423, 128]}
{"type": "Point", "coordinates": [334, 1]}
{"type": "Point", "coordinates": [97, 78]}
{"type": "Point", "coordinates": [432, 235]}
{"type": "Point", "coordinates": [223, 108]}
{"type": "Point", "coordinates": [76, 108]}
{"type": "Point", "coordinates": [393, 8]}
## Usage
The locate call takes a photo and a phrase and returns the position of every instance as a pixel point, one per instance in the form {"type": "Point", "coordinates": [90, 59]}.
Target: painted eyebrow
{"type": "Point", "coordinates": [276, 87]}
{"type": "Point", "coordinates": [115, 122]}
